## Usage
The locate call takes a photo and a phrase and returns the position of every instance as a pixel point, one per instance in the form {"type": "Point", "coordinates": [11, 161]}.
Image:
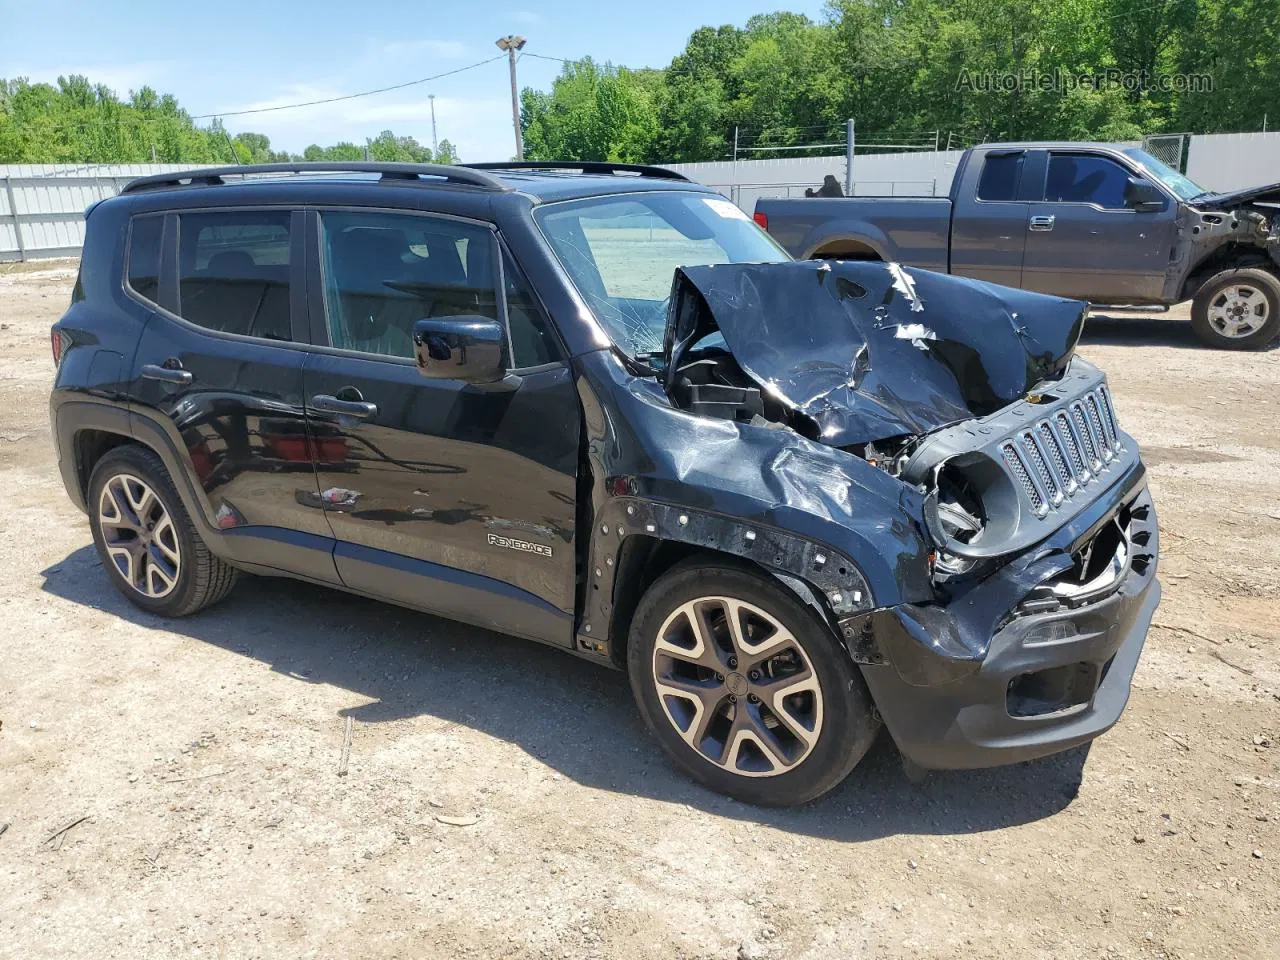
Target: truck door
{"type": "Point", "coordinates": [1083, 239]}
{"type": "Point", "coordinates": [989, 222]}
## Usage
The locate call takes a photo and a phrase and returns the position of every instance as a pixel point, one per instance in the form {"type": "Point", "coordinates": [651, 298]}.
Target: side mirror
{"type": "Point", "coordinates": [1143, 196]}
{"type": "Point", "coordinates": [460, 348]}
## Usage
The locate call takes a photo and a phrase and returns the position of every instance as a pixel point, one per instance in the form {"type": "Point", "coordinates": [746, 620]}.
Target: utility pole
{"type": "Point", "coordinates": [511, 44]}
{"type": "Point", "coordinates": [435, 144]}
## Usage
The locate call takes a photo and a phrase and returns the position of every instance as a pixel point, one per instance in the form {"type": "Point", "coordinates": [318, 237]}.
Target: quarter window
{"type": "Point", "coordinates": [532, 342]}
{"type": "Point", "coordinates": [385, 272]}
{"type": "Point", "coordinates": [1078, 178]}
{"type": "Point", "coordinates": [999, 180]}
{"type": "Point", "coordinates": [233, 272]}
{"type": "Point", "coordinates": [144, 257]}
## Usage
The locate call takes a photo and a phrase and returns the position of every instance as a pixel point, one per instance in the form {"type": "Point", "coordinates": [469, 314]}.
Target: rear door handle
{"type": "Point", "coordinates": [1042, 223]}
{"type": "Point", "coordinates": [351, 408]}
{"type": "Point", "coordinates": [166, 374]}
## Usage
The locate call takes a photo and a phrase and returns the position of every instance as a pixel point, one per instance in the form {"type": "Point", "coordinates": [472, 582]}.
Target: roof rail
{"type": "Point", "coordinates": [584, 166]}
{"type": "Point", "coordinates": [211, 176]}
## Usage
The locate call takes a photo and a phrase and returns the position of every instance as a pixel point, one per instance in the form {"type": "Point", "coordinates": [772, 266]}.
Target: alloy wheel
{"type": "Point", "coordinates": [140, 538]}
{"type": "Point", "coordinates": [737, 686]}
{"type": "Point", "coordinates": [1238, 311]}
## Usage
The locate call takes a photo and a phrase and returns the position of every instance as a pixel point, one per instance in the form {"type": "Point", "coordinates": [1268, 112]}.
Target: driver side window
{"type": "Point", "coordinates": [384, 272]}
{"type": "Point", "coordinates": [1080, 178]}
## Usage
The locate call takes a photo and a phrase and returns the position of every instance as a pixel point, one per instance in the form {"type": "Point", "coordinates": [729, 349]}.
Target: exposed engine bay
{"type": "Point", "coordinates": [967, 392]}
{"type": "Point", "coordinates": [1219, 229]}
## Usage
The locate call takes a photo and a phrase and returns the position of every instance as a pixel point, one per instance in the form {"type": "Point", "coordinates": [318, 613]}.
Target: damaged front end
{"type": "Point", "coordinates": [1217, 230]}
{"type": "Point", "coordinates": [1006, 558]}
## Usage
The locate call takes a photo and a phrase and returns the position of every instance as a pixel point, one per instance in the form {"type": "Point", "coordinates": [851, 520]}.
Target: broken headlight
{"type": "Point", "coordinates": [961, 517]}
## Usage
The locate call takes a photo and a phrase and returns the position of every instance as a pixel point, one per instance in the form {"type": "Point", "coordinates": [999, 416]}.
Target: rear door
{"type": "Point", "coordinates": [989, 220]}
{"type": "Point", "coordinates": [455, 498]}
{"type": "Point", "coordinates": [219, 371]}
{"type": "Point", "coordinates": [1084, 241]}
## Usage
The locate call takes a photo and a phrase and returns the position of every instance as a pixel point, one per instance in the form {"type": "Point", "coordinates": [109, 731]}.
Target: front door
{"type": "Point", "coordinates": [1084, 241]}
{"type": "Point", "coordinates": [454, 498]}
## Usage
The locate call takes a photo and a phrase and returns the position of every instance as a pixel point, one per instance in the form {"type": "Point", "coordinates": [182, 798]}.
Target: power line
{"type": "Point", "coordinates": [349, 96]}
{"type": "Point", "coordinates": [543, 56]}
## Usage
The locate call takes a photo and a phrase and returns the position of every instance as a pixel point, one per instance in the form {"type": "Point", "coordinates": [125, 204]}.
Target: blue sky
{"type": "Point", "coordinates": [224, 57]}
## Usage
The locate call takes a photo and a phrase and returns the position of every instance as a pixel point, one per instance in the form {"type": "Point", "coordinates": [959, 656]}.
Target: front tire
{"type": "Point", "coordinates": [146, 540]}
{"type": "Point", "coordinates": [746, 688]}
{"type": "Point", "coordinates": [1238, 309]}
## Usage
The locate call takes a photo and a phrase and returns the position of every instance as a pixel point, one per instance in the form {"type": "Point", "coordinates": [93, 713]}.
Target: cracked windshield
{"type": "Point", "coordinates": [621, 253]}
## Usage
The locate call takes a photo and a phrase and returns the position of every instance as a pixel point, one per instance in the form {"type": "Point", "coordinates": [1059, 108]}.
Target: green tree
{"type": "Point", "coordinates": [593, 112]}
{"type": "Point", "coordinates": [446, 153]}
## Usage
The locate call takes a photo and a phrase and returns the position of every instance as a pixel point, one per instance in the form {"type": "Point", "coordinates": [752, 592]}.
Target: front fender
{"type": "Point", "coordinates": [850, 531]}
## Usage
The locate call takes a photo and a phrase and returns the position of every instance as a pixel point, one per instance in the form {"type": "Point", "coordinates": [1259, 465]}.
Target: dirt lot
{"type": "Point", "coordinates": [204, 755]}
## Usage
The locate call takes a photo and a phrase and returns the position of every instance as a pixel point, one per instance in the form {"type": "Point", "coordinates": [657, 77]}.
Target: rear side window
{"type": "Point", "coordinates": [233, 272]}
{"type": "Point", "coordinates": [1077, 178]}
{"type": "Point", "coordinates": [532, 342]}
{"type": "Point", "coordinates": [144, 257]}
{"type": "Point", "coordinates": [999, 180]}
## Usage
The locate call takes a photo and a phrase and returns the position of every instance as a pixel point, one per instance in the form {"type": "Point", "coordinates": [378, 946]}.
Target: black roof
{"type": "Point", "coordinates": [542, 182]}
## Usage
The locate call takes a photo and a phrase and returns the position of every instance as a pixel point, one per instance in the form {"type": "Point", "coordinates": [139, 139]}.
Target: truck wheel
{"type": "Point", "coordinates": [1238, 309]}
{"type": "Point", "coordinates": [749, 692]}
{"type": "Point", "coordinates": [148, 545]}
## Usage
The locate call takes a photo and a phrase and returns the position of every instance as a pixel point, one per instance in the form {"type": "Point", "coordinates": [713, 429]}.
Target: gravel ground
{"type": "Point", "coordinates": [503, 799]}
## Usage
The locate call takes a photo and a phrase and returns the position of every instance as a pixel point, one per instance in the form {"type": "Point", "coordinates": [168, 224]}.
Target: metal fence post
{"type": "Point", "coordinates": [848, 158]}
{"type": "Point", "coordinates": [13, 212]}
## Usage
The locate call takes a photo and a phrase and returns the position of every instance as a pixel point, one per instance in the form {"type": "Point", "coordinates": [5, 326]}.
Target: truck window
{"type": "Point", "coordinates": [1000, 172]}
{"type": "Point", "coordinates": [1079, 178]}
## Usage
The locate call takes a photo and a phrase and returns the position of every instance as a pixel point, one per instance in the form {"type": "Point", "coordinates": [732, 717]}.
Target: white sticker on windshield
{"type": "Point", "coordinates": [725, 209]}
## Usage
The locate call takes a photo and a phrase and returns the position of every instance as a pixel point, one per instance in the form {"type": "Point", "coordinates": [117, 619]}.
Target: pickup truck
{"type": "Point", "coordinates": [1098, 222]}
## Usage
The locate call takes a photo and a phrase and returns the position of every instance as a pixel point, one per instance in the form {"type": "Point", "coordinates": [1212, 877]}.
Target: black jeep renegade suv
{"type": "Point", "coordinates": [595, 406]}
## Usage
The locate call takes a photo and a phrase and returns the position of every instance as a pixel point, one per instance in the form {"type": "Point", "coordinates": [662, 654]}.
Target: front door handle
{"type": "Point", "coordinates": [1042, 223]}
{"type": "Point", "coordinates": [351, 408]}
{"type": "Point", "coordinates": [166, 374]}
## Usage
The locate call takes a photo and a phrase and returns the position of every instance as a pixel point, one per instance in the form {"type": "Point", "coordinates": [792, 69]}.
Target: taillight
{"type": "Point", "coordinates": [58, 344]}
{"type": "Point", "coordinates": [761, 218]}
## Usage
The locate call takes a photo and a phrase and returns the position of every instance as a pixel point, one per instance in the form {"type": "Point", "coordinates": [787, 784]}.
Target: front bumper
{"type": "Point", "coordinates": [976, 684]}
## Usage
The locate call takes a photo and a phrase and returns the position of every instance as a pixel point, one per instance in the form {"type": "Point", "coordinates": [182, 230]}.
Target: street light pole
{"type": "Point", "coordinates": [511, 44]}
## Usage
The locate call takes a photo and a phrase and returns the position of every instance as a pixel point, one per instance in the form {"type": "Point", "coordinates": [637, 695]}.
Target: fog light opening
{"type": "Point", "coordinates": [1056, 690]}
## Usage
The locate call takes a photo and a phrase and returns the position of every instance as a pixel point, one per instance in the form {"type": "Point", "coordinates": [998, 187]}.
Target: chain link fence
{"type": "Point", "coordinates": [1170, 148]}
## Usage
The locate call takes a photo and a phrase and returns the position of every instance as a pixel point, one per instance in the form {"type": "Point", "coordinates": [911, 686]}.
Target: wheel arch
{"type": "Point", "coordinates": [88, 430]}
{"type": "Point", "coordinates": [846, 249]}
{"type": "Point", "coordinates": [634, 542]}
{"type": "Point", "coordinates": [1231, 257]}
{"type": "Point", "coordinates": [861, 239]}
{"type": "Point", "coordinates": [90, 445]}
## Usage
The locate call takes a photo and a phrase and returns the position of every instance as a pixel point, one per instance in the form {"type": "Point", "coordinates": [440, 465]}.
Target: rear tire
{"type": "Point", "coordinates": [1238, 309]}
{"type": "Point", "coordinates": [146, 540]}
{"type": "Point", "coordinates": [774, 713]}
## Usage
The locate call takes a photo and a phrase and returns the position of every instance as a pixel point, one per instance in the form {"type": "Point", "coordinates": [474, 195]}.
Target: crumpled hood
{"type": "Point", "coordinates": [863, 351]}
{"type": "Point", "coordinates": [1223, 201]}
